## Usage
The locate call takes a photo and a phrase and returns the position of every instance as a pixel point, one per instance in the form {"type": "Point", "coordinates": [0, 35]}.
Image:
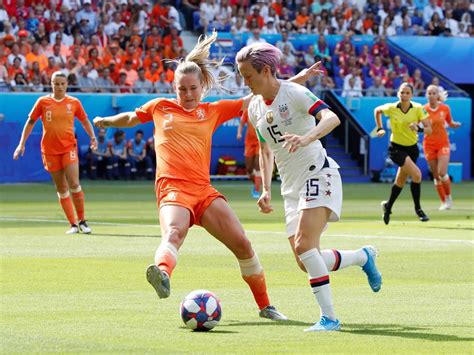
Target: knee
{"type": "Point", "coordinates": [175, 236]}
{"type": "Point", "coordinates": [243, 249]}
{"type": "Point", "coordinates": [300, 244]}
{"type": "Point", "coordinates": [416, 177]}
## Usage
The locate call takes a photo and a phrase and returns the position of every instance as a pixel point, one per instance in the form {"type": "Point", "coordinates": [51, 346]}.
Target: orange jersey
{"type": "Point", "coordinates": [250, 135]}
{"type": "Point", "coordinates": [439, 119]}
{"type": "Point", "coordinates": [58, 122]}
{"type": "Point", "coordinates": [183, 139]}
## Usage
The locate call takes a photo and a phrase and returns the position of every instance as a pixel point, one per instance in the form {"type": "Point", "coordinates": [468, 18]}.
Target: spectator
{"type": "Point", "coordinates": [377, 68]}
{"type": "Point", "coordinates": [118, 153]}
{"type": "Point", "coordinates": [324, 83]}
{"type": "Point", "coordinates": [36, 84]}
{"type": "Point", "coordinates": [398, 67]}
{"type": "Point", "coordinates": [352, 89]}
{"type": "Point", "coordinates": [138, 158]}
{"type": "Point", "coordinates": [85, 83]}
{"type": "Point", "coordinates": [15, 53]}
{"type": "Point", "coordinates": [188, 7]}
{"type": "Point", "coordinates": [19, 83]}
{"type": "Point", "coordinates": [36, 71]}
{"type": "Point", "coordinates": [173, 51]}
{"type": "Point", "coordinates": [406, 29]}
{"type": "Point", "coordinates": [255, 38]}
{"type": "Point", "coordinates": [238, 87]}
{"type": "Point", "coordinates": [36, 56]}
{"type": "Point", "coordinates": [451, 23]}
{"type": "Point", "coordinates": [269, 28]}
{"type": "Point", "coordinates": [66, 40]}
{"type": "Point", "coordinates": [344, 46]}
{"type": "Point", "coordinates": [113, 27]}
{"type": "Point", "coordinates": [435, 26]}
{"type": "Point", "coordinates": [365, 59]}
{"type": "Point", "coordinates": [284, 70]}
{"type": "Point", "coordinates": [418, 83]}
{"type": "Point", "coordinates": [162, 86]}
{"type": "Point", "coordinates": [430, 9]}
{"type": "Point", "coordinates": [130, 73]}
{"type": "Point", "coordinates": [154, 38]}
{"type": "Point", "coordinates": [88, 14]}
{"type": "Point", "coordinates": [105, 83]}
{"type": "Point", "coordinates": [72, 83]}
{"type": "Point", "coordinates": [100, 158]}
{"type": "Point", "coordinates": [123, 86]}
{"type": "Point", "coordinates": [285, 41]}
{"type": "Point", "coordinates": [142, 85]}
{"type": "Point", "coordinates": [153, 74]}
{"type": "Point", "coordinates": [255, 19]}
{"type": "Point", "coordinates": [377, 88]}
{"type": "Point", "coordinates": [208, 12]}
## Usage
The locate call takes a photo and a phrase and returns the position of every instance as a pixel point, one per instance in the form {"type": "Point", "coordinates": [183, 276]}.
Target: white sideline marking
{"type": "Point", "coordinates": [41, 220]}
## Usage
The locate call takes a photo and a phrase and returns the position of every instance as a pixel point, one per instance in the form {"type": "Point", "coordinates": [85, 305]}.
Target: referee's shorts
{"type": "Point", "coordinates": [398, 153]}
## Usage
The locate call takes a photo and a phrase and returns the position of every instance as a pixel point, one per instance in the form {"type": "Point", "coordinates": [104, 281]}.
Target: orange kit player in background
{"type": "Point", "coordinates": [59, 147]}
{"type": "Point", "coordinates": [185, 196]}
{"type": "Point", "coordinates": [436, 145]}
{"type": "Point", "coordinates": [251, 153]}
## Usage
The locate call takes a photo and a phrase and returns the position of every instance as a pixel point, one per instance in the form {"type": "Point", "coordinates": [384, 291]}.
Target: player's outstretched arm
{"type": "Point", "coordinates": [20, 149]}
{"type": "Point", "coordinates": [124, 119]}
{"type": "Point", "coordinates": [307, 73]}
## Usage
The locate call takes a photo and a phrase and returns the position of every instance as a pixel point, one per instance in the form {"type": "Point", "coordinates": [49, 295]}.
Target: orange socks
{"type": "Point", "coordinates": [68, 208]}
{"type": "Point", "coordinates": [446, 181]}
{"type": "Point", "coordinates": [257, 180]}
{"type": "Point", "coordinates": [440, 188]}
{"type": "Point", "coordinates": [253, 275]}
{"type": "Point", "coordinates": [78, 200]}
{"type": "Point", "coordinates": [166, 257]}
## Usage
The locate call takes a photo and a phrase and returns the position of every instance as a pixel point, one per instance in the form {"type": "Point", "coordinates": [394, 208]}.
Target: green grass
{"type": "Point", "coordinates": [89, 293]}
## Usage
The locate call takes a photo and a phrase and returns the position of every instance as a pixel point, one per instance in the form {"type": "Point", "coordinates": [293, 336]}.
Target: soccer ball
{"type": "Point", "coordinates": [201, 310]}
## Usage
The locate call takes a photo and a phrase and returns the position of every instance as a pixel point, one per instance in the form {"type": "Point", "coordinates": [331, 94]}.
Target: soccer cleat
{"type": "Point", "coordinates": [270, 312]}
{"type": "Point", "coordinates": [74, 229]}
{"type": "Point", "coordinates": [255, 194]}
{"type": "Point", "coordinates": [422, 216]}
{"type": "Point", "coordinates": [448, 202]}
{"type": "Point", "coordinates": [443, 207]}
{"type": "Point", "coordinates": [373, 275]}
{"type": "Point", "coordinates": [386, 212]}
{"type": "Point", "coordinates": [159, 280]}
{"type": "Point", "coordinates": [84, 228]}
{"type": "Point", "coordinates": [325, 325]}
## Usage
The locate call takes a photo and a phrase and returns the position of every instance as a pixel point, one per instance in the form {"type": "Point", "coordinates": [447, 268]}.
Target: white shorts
{"type": "Point", "coordinates": [321, 189]}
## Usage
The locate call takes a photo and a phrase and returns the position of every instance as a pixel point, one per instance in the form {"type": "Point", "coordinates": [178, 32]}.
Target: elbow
{"type": "Point", "coordinates": [337, 121]}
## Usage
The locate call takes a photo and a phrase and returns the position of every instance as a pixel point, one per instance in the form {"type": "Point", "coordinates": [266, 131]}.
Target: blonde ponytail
{"type": "Point", "coordinates": [198, 62]}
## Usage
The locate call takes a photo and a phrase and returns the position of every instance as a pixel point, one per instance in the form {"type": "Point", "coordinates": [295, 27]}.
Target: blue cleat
{"type": "Point", "coordinates": [325, 325]}
{"type": "Point", "coordinates": [373, 275]}
{"type": "Point", "coordinates": [255, 194]}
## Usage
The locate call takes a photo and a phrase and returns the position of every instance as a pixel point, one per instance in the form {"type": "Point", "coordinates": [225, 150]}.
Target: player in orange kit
{"type": "Point", "coordinates": [436, 145]}
{"type": "Point", "coordinates": [59, 147]}
{"type": "Point", "coordinates": [251, 154]}
{"type": "Point", "coordinates": [185, 196]}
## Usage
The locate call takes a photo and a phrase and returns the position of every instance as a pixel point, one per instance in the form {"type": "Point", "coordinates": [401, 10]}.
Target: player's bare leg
{"type": "Point", "coordinates": [174, 223]}
{"type": "Point", "coordinates": [72, 176]}
{"type": "Point", "coordinates": [222, 223]}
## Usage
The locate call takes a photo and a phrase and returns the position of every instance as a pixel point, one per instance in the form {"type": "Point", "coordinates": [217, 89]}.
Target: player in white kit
{"type": "Point", "coordinates": [284, 115]}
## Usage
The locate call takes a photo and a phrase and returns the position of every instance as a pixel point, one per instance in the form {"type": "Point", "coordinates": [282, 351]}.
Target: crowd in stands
{"type": "Point", "coordinates": [120, 45]}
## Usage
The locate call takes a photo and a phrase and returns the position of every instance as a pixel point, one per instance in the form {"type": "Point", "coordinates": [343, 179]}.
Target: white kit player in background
{"type": "Point", "coordinates": [284, 117]}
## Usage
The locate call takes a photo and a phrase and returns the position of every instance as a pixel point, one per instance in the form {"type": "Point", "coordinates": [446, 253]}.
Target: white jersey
{"type": "Point", "coordinates": [292, 111]}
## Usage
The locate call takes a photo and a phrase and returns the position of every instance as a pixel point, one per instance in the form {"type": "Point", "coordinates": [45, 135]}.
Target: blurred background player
{"type": "Point", "coordinates": [251, 148]}
{"type": "Point", "coordinates": [138, 158]}
{"type": "Point", "coordinates": [100, 158]}
{"type": "Point", "coordinates": [59, 147]}
{"type": "Point", "coordinates": [118, 153]}
{"type": "Point", "coordinates": [436, 145]}
{"type": "Point", "coordinates": [405, 116]}
{"type": "Point", "coordinates": [283, 114]}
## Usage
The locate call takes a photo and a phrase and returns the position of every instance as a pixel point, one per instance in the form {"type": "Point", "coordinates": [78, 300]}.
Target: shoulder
{"type": "Point", "coordinates": [417, 105]}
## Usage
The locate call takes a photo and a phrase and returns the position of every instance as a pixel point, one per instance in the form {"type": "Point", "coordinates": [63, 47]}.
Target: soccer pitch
{"type": "Point", "coordinates": [88, 293]}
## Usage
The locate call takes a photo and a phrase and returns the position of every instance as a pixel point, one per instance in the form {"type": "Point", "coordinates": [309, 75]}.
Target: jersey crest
{"type": "Point", "coordinates": [269, 116]}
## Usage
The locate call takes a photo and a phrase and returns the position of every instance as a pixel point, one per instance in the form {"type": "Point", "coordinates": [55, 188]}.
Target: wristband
{"type": "Point", "coordinates": [380, 129]}
{"type": "Point", "coordinates": [420, 129]}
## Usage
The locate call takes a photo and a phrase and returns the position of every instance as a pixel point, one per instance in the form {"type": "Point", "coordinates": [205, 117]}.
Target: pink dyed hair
{"type": "Point", "coordinates": [259, 55]}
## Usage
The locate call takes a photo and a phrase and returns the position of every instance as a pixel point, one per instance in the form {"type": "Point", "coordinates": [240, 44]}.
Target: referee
{"type": "Point", "coordinates": [405, 117]}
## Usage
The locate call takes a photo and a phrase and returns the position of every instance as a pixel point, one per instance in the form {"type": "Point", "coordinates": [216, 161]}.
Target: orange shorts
{"type": "Point", "coordinates": [251, 149]}
{"type": "Point", "coordinates": [433, 152]}
{"type": "Point", "coordinates": [195, 198]}
{"type": "Point", "coordinates": [56, 162]}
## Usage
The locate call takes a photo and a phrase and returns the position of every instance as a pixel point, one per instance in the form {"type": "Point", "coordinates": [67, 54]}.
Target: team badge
{"type": "Point", "coordinates": [200, 113]}
{"type": "Point", "coordinates": [68, 108]}
{"type": "Point", "coordinates": [284, 112]}
{"type": "Point", "coordinates": [269, 116]}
